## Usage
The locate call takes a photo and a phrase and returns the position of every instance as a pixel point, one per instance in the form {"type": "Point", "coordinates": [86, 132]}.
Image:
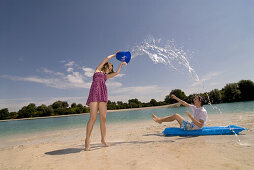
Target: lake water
{"type": "Point", "coordinates": [19, 127]}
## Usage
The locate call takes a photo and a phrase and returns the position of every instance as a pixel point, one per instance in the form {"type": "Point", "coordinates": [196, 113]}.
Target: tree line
{"type": "Point", "coordinates": [232, 92]}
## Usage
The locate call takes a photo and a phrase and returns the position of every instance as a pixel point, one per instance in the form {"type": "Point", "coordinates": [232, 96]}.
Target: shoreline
{"type": "Point", "coordinates": [145, 108]}
{"type": "Point", "coordinates": [109, 111]}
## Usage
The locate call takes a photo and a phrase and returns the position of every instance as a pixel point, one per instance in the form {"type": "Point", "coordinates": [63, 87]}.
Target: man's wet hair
{"type": "Point", "coordinates": [201, 99]}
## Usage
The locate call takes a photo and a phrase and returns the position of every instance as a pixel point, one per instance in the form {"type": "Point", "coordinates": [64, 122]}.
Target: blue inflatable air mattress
{"type": "Point", "coordinates": [212, 130]}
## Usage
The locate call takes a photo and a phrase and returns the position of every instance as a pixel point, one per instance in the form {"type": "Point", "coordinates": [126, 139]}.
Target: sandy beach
{"type": "Point", "coordinates": [133, 145]}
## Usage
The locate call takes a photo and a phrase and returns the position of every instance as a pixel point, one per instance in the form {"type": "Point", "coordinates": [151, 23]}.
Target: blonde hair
{"type": "Point", "coordinates": [109, 66]}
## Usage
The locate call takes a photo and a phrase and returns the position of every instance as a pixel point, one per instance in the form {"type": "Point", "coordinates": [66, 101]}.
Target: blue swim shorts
{"type": "Point", "coordinates": [187, 125]}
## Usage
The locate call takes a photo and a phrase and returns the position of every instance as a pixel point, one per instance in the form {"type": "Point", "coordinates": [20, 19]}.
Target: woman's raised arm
{"type": "Point", "coordinates": [99, 67]}
{"type": "Point", "coordinates": [117, 72]}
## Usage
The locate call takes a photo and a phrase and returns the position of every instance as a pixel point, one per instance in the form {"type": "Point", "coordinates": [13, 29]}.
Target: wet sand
{"type": "Point", "coordinates": [134, 145]}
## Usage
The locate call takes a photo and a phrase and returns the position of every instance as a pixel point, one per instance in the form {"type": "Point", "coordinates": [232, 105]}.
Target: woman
{"type": "Point", "coordinates": [98, 98]}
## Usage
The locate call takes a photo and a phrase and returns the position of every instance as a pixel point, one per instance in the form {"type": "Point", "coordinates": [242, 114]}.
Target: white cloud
{"type": "Point", "coordinates": [123, 98]}
{"type": "Point", "coordinates": [69, 64]}
{"type": "Point", "coordinates": [120, 75]}
{"type": "Point", "coordinates": [205, 84]}
{"type": "Point", "coordinates": [45, 70]}
{"type": "Point", "coordinates": [207, 77]}
{"type": "Point", "coordinates": [143, 93]}
{"type": "Point", "coordinates": [75, 77]}
{"type": "Point", "coordinates": [70, 79]}
{"type": "Point", "coordinates": [69, 69]}
{"type": "Point", "coordinates": [60, 83]}
{"type": "Point", "coordinates": [88, 71]}
{"type": "Point", "coordinates": [138, 89]}
{"type": "Point", "coordinates": [113, 84]}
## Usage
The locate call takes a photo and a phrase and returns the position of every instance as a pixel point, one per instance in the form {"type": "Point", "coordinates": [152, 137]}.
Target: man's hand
{"type": "Point", "coordinates": [198, 123]}
{"type": "Point", "coordinates": [173, 96]}
{"type": "Point", "coordinates": [188, 114]}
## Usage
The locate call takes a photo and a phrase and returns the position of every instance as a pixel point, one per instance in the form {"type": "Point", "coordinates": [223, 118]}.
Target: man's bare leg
{"type": "Point", "coordinates": [171, 118]}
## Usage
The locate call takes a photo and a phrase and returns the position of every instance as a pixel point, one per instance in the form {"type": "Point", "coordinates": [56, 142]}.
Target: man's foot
{"type": "Point", "coordinates": [156, 119]}
{"type": "Point", "coordinates": [105, 143]}
{"type": "Point", "coordinates": [87, 146]}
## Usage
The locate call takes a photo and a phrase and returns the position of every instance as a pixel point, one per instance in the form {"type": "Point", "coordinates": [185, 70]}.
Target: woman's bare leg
{"type": "Point", "coordinates": [171, 118]}
{"type": "Point", "coordinates": [93, 115]}
{"type": "Point", "coordinates": [103, 114]}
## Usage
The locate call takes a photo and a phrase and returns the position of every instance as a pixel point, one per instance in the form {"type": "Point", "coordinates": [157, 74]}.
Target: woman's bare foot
{"type": "Point", "coordinates": [156, 119]}
{"type": "Point", "coordinates": [105, 143]}
{"type": "Point", "coordinates": [87, 145]}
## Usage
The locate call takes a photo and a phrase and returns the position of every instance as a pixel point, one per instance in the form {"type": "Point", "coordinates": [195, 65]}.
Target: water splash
{"type": "Point", "coordinates": [166, 53]}
{"type": "Point", "coordinates": [220, 113]}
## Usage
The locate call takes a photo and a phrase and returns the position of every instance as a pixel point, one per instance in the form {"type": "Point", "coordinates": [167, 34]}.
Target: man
{"type": "Point", "coordinates": [198, 121]}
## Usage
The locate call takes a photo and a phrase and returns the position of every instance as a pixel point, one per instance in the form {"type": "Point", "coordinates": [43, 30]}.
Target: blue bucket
{"type": "Point", "coordinates": [124, 56]}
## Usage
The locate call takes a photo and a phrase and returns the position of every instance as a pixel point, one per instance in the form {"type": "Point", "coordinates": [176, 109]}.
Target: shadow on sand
{"type": "Point", "coordinates": [100, 146]}
{"type": "Point", "coordinates": [97, 146]}
{"type": "Point", "coordinates": [162, 135]}
{"type": "Point", "coordinates": [65, 151]}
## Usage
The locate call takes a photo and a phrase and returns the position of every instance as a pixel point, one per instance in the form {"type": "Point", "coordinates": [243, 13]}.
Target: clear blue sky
{"type": "Point", "coordinates": [49, 48]}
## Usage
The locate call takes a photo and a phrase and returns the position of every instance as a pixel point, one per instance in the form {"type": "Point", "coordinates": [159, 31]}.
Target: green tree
{"type": "Point", "coordinates": [215, 96]}
{"type": "Point", "coordinates": [70, 111]}
{"type": "Point", "coordinates": [86, 109]}
{"type": "Point", "coordinates": [231, 93]}
{"type": "Point", "coordinates": [56, 105]}
{"type": "Point", "coordinates": [4, 114]}
{"type": "Point", "coordinates": [134, 103]}
{"type": "Point", "coordinates": [80, 105]}
{"type": "Point", "coordinates": [61, 111]}
{"type": "Point", "coordinates": [27, 111]}
{"type": "Point", "coordinates": [80, 108]}
{"type": "Point", "coordinates": [246, 88]}
{"type": "Point", "coordinates": [65, 104]}
{"type": "Point", "coordinates": [153, 102]}
{"type": "Point", "coordinates": [119, 105]}
{"type": "Point", "coordinates": [22, 112]}
{"type": "Point", "coordinates": [122, 105]}
{"type": "Point", "coordinates": [190, 98]}
{"type": "Point", "coordinates": [43, 110]}
{"type": "Point", "coordinates": [111, 105]}
{"type": "Point", "coordinates": [73, 105]}
{"type": "Point", "coordinates": [147, 104]}
{"type": "Point", "coordinates": [178, 93]}
{"type": "Point", "coordinates": [60, 104]}
{"type": "Point", "coordinates": [50, 110]}
{"type": "Point", "coordinates": [13, 115]}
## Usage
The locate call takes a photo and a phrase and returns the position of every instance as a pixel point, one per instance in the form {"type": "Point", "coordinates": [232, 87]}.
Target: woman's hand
{"type": "Point", "coordinates": [116, 53]}
{"type": "Point", "coordinates": [117, 72]}
{"type": "Point", "coordinates": [113, 55]}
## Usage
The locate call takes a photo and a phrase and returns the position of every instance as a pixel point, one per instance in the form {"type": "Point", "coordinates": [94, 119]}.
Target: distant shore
{"type": "Point", "coordinates": [145, 108]}
{"type": "Point", "coordinates": [109, 111]}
